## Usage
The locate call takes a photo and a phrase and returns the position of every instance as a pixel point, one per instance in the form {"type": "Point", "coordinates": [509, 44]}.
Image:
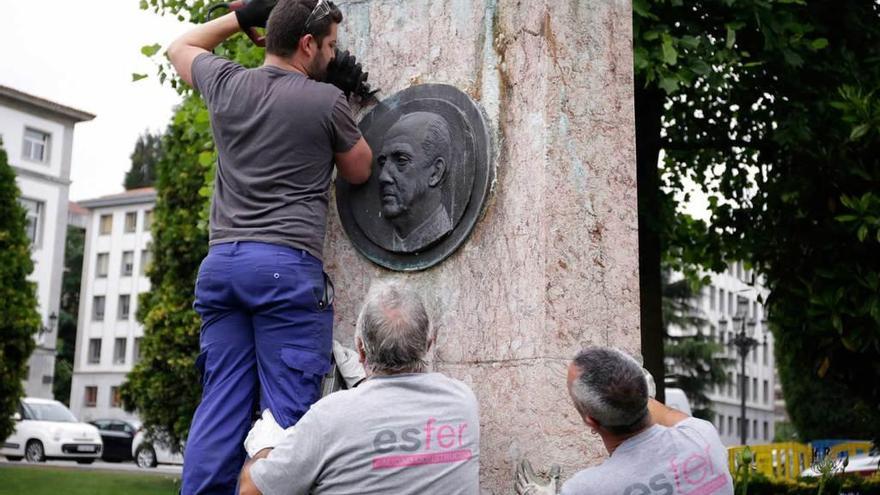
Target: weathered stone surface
{"type": "Point", "coordinates": [552, 265]}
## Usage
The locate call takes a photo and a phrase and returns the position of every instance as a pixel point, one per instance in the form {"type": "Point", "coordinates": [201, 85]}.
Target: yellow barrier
{"type": "Point", "coordinates": [788, 460]}
{"type": "Point", "coordinates": [776, 460]}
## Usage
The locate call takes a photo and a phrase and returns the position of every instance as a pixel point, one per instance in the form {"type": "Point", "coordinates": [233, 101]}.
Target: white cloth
{"type": "Point", "coordinates": [266, 433]}
{"type": "Point", "coordinates": [348, 364]}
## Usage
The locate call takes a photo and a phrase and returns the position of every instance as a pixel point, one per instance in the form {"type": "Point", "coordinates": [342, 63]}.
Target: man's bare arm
{"type": "Point", "coordinates": [246, 484]}
{"type": "Point", "coordinates": [663, 415]}
{"type": "Point", "coordinates": [354, 164]}
{"type": "Point", "coordinates": [201, 39]}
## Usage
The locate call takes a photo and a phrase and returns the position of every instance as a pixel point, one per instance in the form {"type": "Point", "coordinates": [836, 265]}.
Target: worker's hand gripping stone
{"type": "Point", "coordinates": [529, 483]}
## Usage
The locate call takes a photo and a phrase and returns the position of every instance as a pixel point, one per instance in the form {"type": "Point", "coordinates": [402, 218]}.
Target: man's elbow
{"type": "Point", "coordinates": [246, 485]}
{"type": "Point", "coordinates": [360, 175]}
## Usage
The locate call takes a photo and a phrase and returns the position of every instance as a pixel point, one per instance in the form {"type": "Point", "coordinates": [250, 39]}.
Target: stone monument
{"type": "Point", "coordinates": [549, 264]}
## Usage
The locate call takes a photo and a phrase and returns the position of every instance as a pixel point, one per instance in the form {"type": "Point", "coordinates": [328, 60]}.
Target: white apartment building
{"type": "Point", "coordinates": [736, 291]}
{"type": "Point", "coordinates": [37, 135]}
{"type": "Point", "coordinates": [115, 258]}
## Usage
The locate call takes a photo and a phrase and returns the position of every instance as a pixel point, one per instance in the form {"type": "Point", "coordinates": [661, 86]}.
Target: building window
{"type": "Point", "coordinates": [127, 263]}
{"type": "Point", "coordinates": [36, 145]}
{"type": "Point", "coordinates": [730, 307]}
{"type": "Point", "coordinates": [730, 425]}
{"type": "Point", "coordinates": [34, 218]}
{"type": "Point", "coordinates": [98, 308]}
{"type": "Point", "coordinates": [766, 391]}
{"type": "Point", "coordinates": [119, 350]}
{"type": "Point", "coordinates": [766, 430]}
{"type": "Point", "coordinates": [115, 397]}
{"type": "Point", "coordinates": [47, 379]}
{"type": "Point", "coordinates": [91, 396]}
{"type": "Point", "coordinates": [711, 297]}
{"type": "Point", "coordinates": [739, 425]}
{"type": "Point", "coordinates": [102, 265]}
{"type": "Point", "coordinates": [146, 260]}
{"type": "Point", "coordinates": [764, 353]}
{"type": "Point", "coordinates": [754, 390]}
{"type": "Point", "coordinates": [721, 301]}
{"type": "Point", "coordinates": [136, 352]}
{"type": "Point", "coordinates": [148, 220]}
{"type": "Point", "coordinates": [94, 351]}
{"type": "Point", "coordinates": [730, 384]}
{"type": "Point", "coordinates": [105, 226]}
{"type": "Point", "coordinates": [124, 306]}
{"type": "Point", "coordinates": [721, 424]}
{"type": "Point", "coordinates": [131, 220]}
{"type": "Point", "coordinates": [755, 429]}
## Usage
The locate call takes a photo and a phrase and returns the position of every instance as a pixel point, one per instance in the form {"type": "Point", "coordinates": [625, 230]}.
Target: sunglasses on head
{"type": "Point", "coordinates": [321, 10]}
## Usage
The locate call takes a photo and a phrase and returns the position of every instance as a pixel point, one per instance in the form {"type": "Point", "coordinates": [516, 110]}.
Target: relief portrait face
{"type": "Point", "coordinates": [412, 164]}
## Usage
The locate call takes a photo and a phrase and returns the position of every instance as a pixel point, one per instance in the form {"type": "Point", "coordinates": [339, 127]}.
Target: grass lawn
{"type": "Point", "coordinates": [61, 481]}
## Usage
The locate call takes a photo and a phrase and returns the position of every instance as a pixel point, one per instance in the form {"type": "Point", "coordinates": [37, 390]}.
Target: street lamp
{"type": "Point", "coordinates": [743, 341]}
{"type": "Point", "coordinates": [50, 325]}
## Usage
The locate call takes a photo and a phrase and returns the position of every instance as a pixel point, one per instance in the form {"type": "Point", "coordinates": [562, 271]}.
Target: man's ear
{"type": "Point", "coordinates": [359, 346]}
{"type": "Point", "coordinates": [305, 45]}
{"type": "Point", "coordinates": [438, 170]}
{"type": "Point", "coordinates": [591, 422]}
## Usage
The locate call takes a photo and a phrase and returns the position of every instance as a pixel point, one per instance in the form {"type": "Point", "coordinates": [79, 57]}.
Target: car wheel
{"type": "Point", "coordinates": [145, 457]}
{"type": "Point", "coordinates": [34, 452]}
{"type": "Point", "coordinates": [85, 461]}
{"type": "Point", "coordinates": [13, 458]}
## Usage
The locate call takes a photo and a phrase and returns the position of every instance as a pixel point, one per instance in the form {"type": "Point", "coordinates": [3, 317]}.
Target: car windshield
{"type": "Point", "coordinates": [49, 412]}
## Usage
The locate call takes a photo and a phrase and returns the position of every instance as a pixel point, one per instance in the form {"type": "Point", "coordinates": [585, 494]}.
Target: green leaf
{"type": "Point", "coordinates": [701, 68]}
{"type": "Point", "coordinates": [862, 233]}
{"type": "Point", "coordinates": [150, 50]}
{"type": "Point", "coordinates": [137, 77]}
{"type": "Point", "coordinates": [859, 131]}
{"type": "Point", "coordinates": [670, 54]}
{"type": "Point", "coordinates": [669, 84]}
{"type": "Point", "coordinates": [819, 43]}
{"type": "Point", "coordinates": [846, 218]}
{"type": "Point", "coordinates": [691, 42]}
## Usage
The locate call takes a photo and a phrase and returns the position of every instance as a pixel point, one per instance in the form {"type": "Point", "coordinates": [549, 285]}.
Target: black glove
{"type": "Point", "coordinates": [254, 13]}
{"type": "Point", "coordinates": [346, 73]}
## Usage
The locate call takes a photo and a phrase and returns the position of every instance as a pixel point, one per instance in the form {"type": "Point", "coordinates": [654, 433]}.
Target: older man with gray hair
{"type": "Point", "coordinates": [402, 430]}
{"type": "Point", "coordinates": [653, 449]}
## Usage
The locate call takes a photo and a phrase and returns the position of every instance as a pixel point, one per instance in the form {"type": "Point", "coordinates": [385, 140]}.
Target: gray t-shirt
{"type": "Point", "coordinates": [414, 433]}
{"type": "Point", "coordinates": [275, 133]}
{"type": "Point", "coordinates": [687, 458]}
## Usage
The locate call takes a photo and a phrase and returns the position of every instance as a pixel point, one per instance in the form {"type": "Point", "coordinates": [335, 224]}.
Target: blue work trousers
{"type": "Point", "coordinates": [266, 339]}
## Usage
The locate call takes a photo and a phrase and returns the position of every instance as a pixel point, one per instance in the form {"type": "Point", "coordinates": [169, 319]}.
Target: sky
{"type": "Point", "coordinates": [49, 48]}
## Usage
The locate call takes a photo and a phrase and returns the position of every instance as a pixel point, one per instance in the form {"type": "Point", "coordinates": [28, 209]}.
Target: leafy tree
{"type": "Point", "coordinates": [147, 153]}
{"type": "Point", "coordinates": [67, 319]}
{"type": "Point", "coordinates": [19, 319]}
{"type": "Point", "coordinates": [695, 361]}
{"type": "Point", "coordinates": [769, 109]}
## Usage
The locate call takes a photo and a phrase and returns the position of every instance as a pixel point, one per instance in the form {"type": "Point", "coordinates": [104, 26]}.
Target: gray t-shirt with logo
{"type": "Point", "coordinates": [687, 458]}
{"type": "Point", "coordinates": [413, 433]}
{"type": "Point", "coordinates": [275, 132]}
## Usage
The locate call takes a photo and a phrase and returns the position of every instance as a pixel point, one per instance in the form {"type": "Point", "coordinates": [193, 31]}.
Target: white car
{"type": "Point", "coordinates": [46, 429]}
{"type": "Point", "coordinates": [861, 464]}
{"type": "Point", "coordinates": [148, 454]}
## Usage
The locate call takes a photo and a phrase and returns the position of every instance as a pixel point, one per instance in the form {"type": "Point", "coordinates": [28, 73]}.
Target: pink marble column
{"type": "Point", "coordinates": [552, 265]}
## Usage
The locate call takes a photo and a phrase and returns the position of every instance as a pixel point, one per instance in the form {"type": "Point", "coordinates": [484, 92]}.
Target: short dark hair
{"type": "Point", "coordinates": [612, 389]}
{"type": "Point", "coordinates": [287, 25]}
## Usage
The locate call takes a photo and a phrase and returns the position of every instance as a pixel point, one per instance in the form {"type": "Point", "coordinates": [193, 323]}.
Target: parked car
{"type": "Point", "coordinates": [148, 453]}
{"type": "Point", "coordinates": [46, 429]}
{"type": "Point", "coordinates": [117, 436]}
